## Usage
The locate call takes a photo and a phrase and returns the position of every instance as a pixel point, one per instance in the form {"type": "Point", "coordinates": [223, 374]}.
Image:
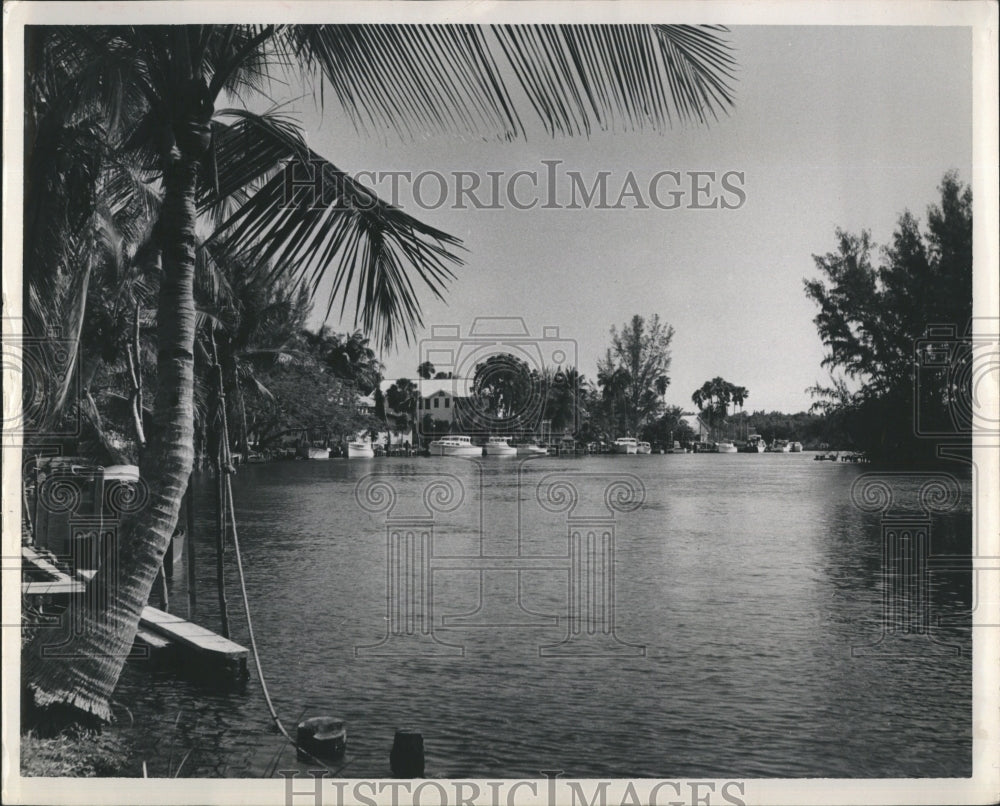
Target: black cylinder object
{"type": "Point", "coordinates": [322, 737]}
{"type": "Point", "coordinates": [407, 757]}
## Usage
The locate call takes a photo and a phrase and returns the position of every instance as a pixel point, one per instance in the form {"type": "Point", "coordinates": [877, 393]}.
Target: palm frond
{"type": "Point", "coordinates": [423, 80]}
{"type": "Point", "coordinates": [582, 77]}
{"type": "Point", "coordinates": [367, 245]}
{"type": "Point", "coordinates": [417, 80]}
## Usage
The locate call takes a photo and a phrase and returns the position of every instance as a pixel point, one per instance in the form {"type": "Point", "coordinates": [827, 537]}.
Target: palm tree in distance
{"type": "Point", "coordinates": [714, 397]}
{"type": "Point", "coordinates": [402, 398]}
{"type": "Point", "coordinates": [157, 91]}
{"type": "Point", "coordinates": [425, 371]}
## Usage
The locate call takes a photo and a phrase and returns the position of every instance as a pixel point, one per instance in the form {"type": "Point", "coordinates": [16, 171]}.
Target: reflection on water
{"type": "Point", "coordinates": [745, 580]}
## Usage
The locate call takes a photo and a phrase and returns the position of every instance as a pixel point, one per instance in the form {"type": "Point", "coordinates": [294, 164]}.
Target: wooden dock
{"type": "Point", "coordinates": [55, 587]}
{"type": "Point", "coordinates": [199, 650]}
{"type": "Point", "coordinates": [40, 577]}
{"type": "Point", "coordinates": [209, 650]}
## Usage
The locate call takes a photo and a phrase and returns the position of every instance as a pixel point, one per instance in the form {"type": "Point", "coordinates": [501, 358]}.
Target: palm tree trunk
{"type": "Point", "coordinates": [74, 670]}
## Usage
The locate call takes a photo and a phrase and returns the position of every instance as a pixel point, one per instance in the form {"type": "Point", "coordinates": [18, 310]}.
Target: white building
{"type": "Point", "coordinates": [437, 396]}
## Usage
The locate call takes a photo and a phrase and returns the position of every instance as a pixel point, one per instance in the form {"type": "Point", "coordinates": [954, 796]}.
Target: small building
{"type": "Point", "coordinates": [700, 428]}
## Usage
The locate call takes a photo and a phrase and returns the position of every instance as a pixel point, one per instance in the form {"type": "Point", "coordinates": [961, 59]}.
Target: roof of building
{"type": "Point", "coordinates": [456, 387]}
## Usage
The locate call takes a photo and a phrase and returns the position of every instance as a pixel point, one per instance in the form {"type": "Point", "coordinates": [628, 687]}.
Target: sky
{"type": "Point", "coordinates": [832, 127]}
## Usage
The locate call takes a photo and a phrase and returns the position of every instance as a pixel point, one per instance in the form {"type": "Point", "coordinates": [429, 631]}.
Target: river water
{"type": "Point", "coordinates": [724, 614]}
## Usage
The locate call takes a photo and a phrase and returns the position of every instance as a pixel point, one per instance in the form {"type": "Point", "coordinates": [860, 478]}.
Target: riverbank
{"type": "Point", "coordinates": [86, 755]}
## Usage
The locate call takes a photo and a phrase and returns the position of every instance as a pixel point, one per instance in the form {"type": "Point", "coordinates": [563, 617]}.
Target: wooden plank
{"type": "Point", "coordinates": [153, 640]}
{"type": "Point", "coordinates": [57, 587]}
{"type": "Point", "coordinates": [29, 555]}
{"type": "Point", "coordinates": [193, 636]}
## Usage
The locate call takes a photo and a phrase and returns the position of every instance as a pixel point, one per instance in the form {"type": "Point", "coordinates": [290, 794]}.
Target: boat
{"type": "Point", "coordinates": [754, 444]}
{"type": "Point", "coordinates": [779, 446]}
{"type": "Point", "coordinates": [312, 452]}
{"type": "Point", "coordinates": [498, 446]}
{"type": "Point", "coordinates": [532, 449]}
{"type": "Point", "coordinates": [454, 446]}
{"type": "Point", "coordinates": [643, 447]}
{"type": "Point", "coordinates": [360, 449]}
{"type": "Point", "coordinates": [725, 447]}
{"type": "Point", "coordinates": [795, 447]}
{"type": "Point", "coordinates": [832, 456]}
{"type": "Point", "coordinates": [627, 445]}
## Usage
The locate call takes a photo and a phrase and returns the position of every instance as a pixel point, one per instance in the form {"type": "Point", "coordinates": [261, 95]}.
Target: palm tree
{"type": "Point", "coordinates": [351, 359]}
{"type": "Point", "coordinates": [425, 371]}
{"type": "Point", "coordinates": [158, 88]}
{"type": "Point", "coordinates": [565, 399]}
{"type": "Point", "coordinates": [614, 382]}
{"type": "Point", "coordinates": [402, 398]}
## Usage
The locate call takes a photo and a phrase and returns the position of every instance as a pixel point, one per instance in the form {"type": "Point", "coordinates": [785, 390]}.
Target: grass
{"type": "Point", "coordinates": [87, 755]}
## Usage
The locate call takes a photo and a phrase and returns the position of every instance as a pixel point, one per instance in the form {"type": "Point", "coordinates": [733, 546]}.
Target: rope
{"type": "Point", "coordinates": [227, 469]}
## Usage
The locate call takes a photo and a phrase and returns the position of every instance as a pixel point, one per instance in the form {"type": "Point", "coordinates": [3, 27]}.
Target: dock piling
{"type": "Point", "coordinates": [322, 737]}
{"type": "Point", "coordinates": [406, 760]}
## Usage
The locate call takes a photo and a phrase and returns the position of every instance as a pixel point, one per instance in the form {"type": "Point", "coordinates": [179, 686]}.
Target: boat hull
{"type": "Point", "coordinates": [531, 450]}
{"type": "Point", "coordinates": [726, 447]}
{"type": "Point", "coordinates": [501, 450]}
{"type": "Point", "coordinates": [361, 451]}
{"type": "Point", "coordinates": [625, 449]}
{"type": "Point", "coordinates": [314, 453]}
{"type": "Point", "coordinates": [643, 450]}
{"type": "Point", "coordinates": [467, 451]}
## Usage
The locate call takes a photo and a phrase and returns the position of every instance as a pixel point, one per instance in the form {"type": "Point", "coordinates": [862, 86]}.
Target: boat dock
{"type": "Point", "coordinates": [192, 642]}
{"type": "Point", "coordinates": [197, 650]}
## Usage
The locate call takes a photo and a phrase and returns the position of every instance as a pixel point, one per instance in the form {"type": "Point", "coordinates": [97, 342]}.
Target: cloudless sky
{"type": "Point", "coordinates": [832, 127]}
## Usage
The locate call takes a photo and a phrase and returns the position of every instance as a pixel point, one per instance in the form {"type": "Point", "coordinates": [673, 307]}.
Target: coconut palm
{"type": "Point", "coordinates": [402, 398]}
{"type": "Point", "coordinates": [565, 402]}
{"type": "Point", "coordinates": [614, 382]}
{"type": "Point", "coordinates": [159, 90]}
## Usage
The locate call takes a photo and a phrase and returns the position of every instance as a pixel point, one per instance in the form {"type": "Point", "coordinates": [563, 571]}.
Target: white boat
{"type": "Point", "coordinates": [498, 446]}
{"type": "Point", "coordinates": [795, 447]}
{"type": "Point", "coordinates": [754, 444]}
{"type": "Point", "coordinates": [454, 446]}
{"type": "Point", "coordinates": [726, 447]}
{"type": "Point", "coordinates": [628, 445]}
{"type": "Point", "coordinates": [779, 446]}
{"type": "Point", "coordinates": [310, 452]}
{"type": "Point", "coordinates": [360, 449]}
{"type": "Point", "coordinates": [532, 449]}
{"type": "Point", "coordinates": [643, 447]}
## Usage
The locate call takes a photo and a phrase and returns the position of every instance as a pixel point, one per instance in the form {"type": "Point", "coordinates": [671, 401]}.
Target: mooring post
{"type": "Point", "coordinates": [220, 545]}
{"type": "Point", "coordinates": [189, 511]}
{"type": "Point", "coordinates": [221, 467]}
{"type": "Point", "coordinates": [406, 760]}
{"type": "Point", "coordinates": [323, 737]}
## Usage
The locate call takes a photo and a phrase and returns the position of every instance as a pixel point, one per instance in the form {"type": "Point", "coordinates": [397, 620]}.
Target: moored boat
{"type": "Point", "coordinates": [360, 449]}
{"type": "Point", "coordinates": [725, 447]}
{"type": "Point", "coordinates": [643, 447]}
{"type": "Point", "coordinates": [795, 447]}
{"type": "Point", "coordinates": [532, 449]}
{"type": "Point", "coordinates": [498, 446]}
{"type": "Point", "coordinates": [455, 446]}
{"type": "Point", "coordinates": [312, 452]}
{"type": "Point", "coordinates": [628, 445]}
{"type": "Point", "coordinates": [754, 444]}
